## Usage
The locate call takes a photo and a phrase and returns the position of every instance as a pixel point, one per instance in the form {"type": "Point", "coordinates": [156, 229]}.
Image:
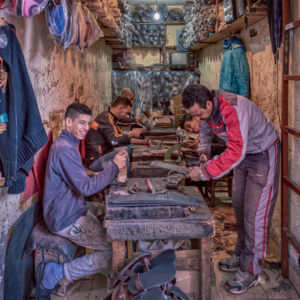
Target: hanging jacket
{"type": "Point", "coordinates": [25, 133]}
{"type": "Point", "coordinates": [243, 127]}
{"type": "Point", "coordinates": [234, 75]}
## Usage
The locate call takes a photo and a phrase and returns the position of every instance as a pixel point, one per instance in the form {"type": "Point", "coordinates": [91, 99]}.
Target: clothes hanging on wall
{"type": "Point", "coordinates": [234, 75]}
{"type": "Point", "coordinates": [275, 24]}
{"type": "Point", "coordinates": [25, 133]}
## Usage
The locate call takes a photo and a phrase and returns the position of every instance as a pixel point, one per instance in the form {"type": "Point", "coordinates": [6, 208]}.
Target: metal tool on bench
{"type": "Point", "coordinates": [160, 146]}
{"type": "Point", "coordinates": [173, 180]}
{"type": "Point", "coordinates": [149, 189]}
{"type": "Point", "coordinates": [153, 200]}
{"type": "Point", "coordinates": [171, 167]}
{"type": "Point", "coordinates": [168, 154]}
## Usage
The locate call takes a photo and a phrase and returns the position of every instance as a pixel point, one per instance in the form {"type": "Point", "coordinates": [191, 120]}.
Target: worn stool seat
{"type": "Point", "coordinates": [41, 238]}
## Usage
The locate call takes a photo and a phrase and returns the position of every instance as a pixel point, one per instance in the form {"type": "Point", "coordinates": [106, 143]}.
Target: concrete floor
{"type": "Point", "coordinates": [273, 288]}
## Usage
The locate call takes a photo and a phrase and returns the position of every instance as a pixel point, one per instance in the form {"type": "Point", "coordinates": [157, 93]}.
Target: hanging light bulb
{"type": "Point", "coordinates": [156, 16]}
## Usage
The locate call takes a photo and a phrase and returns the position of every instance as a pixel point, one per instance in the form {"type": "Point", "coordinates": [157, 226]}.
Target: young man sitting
{"type": "Point", "coordinates": [105, 135]}
{"type": "Point", "coordinates": [65, 210]}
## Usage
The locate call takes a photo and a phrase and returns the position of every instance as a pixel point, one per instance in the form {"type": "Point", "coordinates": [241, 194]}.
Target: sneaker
{"type": "Point", "coordinates": [231, 264]}
{"type": "Point", "coordinates": [241, 282]}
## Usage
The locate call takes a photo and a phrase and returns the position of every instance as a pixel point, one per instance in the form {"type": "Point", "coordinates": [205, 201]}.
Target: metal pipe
{"type": "Point", "coordinates": [284, 139]}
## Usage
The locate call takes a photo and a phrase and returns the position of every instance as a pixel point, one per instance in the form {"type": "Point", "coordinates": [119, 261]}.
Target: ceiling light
{"type": "Point", "coordinates": [156, 16]}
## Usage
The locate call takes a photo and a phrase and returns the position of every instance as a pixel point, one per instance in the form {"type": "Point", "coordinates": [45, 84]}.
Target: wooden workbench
{"type": "Point", "coordinates": [199, 225]}
{"type": "Point", "coordinates": [158, 133]}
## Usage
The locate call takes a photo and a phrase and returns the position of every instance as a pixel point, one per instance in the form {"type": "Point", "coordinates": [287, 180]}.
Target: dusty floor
{"type": "Point", "coordinates": [272, 286]}
{"type": "Point", "coordinates": [275, 287]}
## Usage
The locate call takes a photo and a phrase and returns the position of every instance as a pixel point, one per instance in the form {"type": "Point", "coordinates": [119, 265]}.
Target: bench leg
{"type": "Point", "coordinates": [205, 268]}
{"type": "Point", "coordinates": [117, 261]}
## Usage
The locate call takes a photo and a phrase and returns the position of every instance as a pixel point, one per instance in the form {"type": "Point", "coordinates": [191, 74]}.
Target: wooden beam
{"type": "Point", "coordinates": [291, 238]}
{"type": "Point", "coordinates": [205, 268]}
{"type": "Point", "coordinates": [292, 25]}
{"type": "Point", "coordinates": [291, 184]}
{"type": "Point", "coordinates": [292, 131]}
{"type": "Point", "coordinates": [118, 256]}
{"type": "Point", "coordinates": [291, 77]}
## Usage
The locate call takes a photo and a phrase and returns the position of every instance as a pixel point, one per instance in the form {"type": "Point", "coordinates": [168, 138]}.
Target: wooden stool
{"type": "Point", "coordinates": [212, 187]}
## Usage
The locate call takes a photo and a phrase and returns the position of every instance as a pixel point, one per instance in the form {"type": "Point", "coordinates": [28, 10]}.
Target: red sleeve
{"type": "Point", "coordinates": [234, 152]}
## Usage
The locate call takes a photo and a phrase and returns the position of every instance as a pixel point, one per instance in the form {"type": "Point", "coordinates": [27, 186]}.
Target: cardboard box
{"type": "Point", "coordinates": [188, 282]}
{"type": "Point", "coordinates": [177, 109]}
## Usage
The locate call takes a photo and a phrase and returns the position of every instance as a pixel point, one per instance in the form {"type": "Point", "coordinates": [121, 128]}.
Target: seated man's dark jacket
{"type": "Point", "coordinates": [103, 136]}
{"type": "Point", "coordinates": [66, 183]}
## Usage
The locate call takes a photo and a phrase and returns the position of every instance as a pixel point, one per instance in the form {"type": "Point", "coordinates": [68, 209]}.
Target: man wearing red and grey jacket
{"type": "Point", "coordinates": [253, 151]}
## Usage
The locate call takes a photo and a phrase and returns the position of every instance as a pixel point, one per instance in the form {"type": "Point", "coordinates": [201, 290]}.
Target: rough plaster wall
{"type": "Point", "coordinates": [59, 78]}
{"type": "Point", "coordinates": [171, 34]}
{"type": "Point", "coordinates": [145, 57]}
{"type": "Point", "coordinates": [263, 83]}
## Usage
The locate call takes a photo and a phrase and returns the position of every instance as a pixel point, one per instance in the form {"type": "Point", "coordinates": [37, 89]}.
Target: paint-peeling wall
{"type": "Point", "coordinates": [59, 78]}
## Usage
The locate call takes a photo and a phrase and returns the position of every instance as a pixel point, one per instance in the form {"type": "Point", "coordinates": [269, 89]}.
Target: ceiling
{"type": "Point", "coordinates": [153, 2]}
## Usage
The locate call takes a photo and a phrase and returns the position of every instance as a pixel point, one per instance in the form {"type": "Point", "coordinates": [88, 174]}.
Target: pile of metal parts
{"type": "Point", "coordinates": [148, 35]}
{"type": "Point", "coordinates": [200, 23]}
{"type": "Point", "coordinates": [146, 14]}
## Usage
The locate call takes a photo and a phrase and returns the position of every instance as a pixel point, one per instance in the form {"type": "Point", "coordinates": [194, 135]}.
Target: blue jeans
{"type": "Point", "coordinates": [102, 162]}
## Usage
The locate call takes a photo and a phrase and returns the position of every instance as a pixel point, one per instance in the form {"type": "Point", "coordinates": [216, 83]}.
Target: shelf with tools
{"type": "Point", "coordinates": [235, 27]}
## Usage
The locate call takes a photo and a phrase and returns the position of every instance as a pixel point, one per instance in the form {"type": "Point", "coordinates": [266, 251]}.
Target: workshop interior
{"type": "Point", "coordinates": [148, 149]}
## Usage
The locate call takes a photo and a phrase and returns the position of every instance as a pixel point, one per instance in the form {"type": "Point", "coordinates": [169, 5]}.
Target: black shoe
{"type": "Point", "coordinates": [41, 292]}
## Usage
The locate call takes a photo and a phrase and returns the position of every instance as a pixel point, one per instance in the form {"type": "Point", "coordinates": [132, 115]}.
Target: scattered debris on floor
{"type": "Point", "coordinates": [225, 224]}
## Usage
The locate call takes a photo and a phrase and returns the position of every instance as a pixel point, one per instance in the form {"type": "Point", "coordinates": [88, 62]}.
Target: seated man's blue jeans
{"type": "Point", "coordinates": [102, 162]}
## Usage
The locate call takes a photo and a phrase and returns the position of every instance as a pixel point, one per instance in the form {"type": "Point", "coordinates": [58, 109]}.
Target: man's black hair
{"type": "Point", "coordinates": [185, 118]}
{"type": "Point", "coordinates": [196, 93]}
{"type": "Point", "coordinates": [75, 109]}
{"type": "Point", "coordinates": [125, 102]}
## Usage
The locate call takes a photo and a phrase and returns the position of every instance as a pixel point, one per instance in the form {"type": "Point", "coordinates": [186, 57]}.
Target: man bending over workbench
{"type": "Point", "coordinates": [128, 93]}
{"type": "Point", "coordinates": [66, 212]}
{"type": "Point", "coordinates": [253, 151]}
{"type": "Point", "coordinates": [105, 135]}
